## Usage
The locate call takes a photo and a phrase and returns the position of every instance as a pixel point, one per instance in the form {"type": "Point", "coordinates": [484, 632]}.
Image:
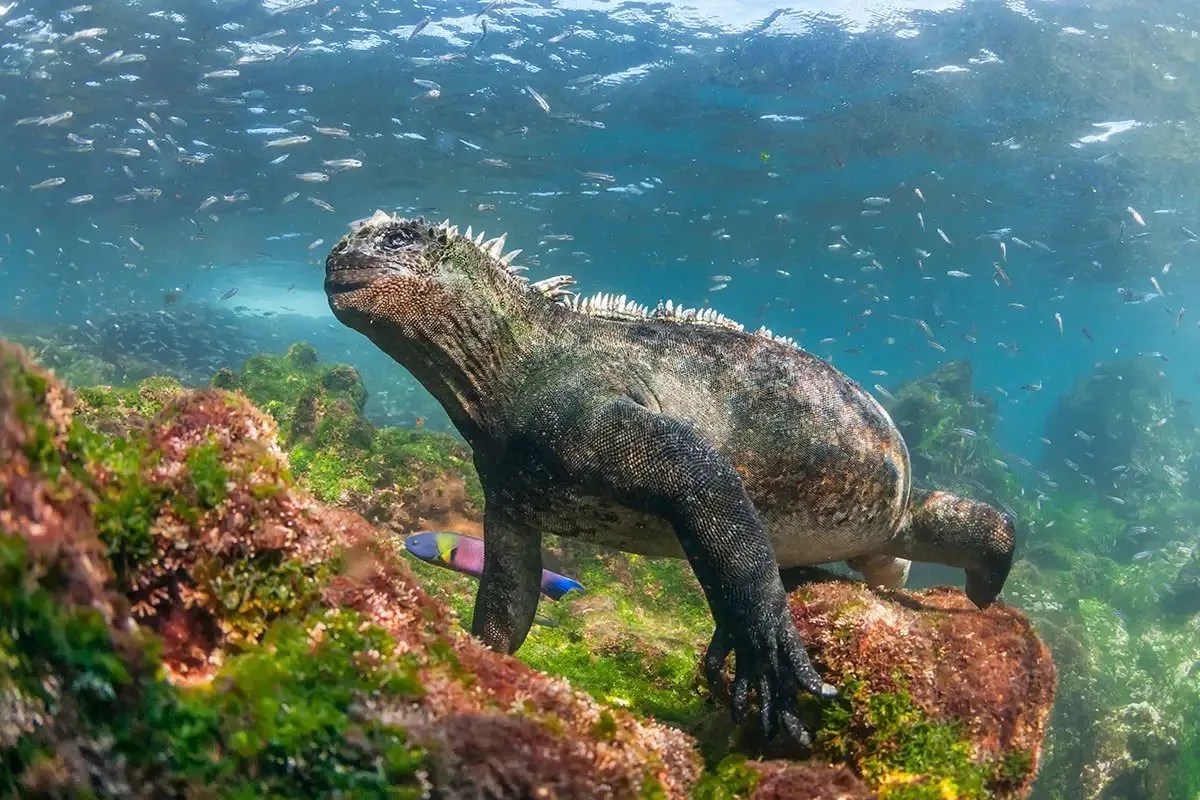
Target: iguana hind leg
{"type": "Point", "coordinates": [943, 528]}
{"type": "Point", "coordinates": [882, 570]}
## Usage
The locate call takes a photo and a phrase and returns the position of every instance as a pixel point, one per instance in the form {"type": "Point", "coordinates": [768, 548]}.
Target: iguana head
{"type": "Point", "coordinates": [410, 276]}
{"type": "Point", "coordinates": [445, 305]}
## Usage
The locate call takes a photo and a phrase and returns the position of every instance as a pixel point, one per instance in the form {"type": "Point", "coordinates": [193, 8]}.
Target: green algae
{"type": "Point", "coordinates": [334, 451]}
{"type": "Point", "coordinates": [282, 713]}
{"type": "Point", "coordinates": [46, 646]}
{"type": "Point", "coordinates": [632, 639]}
{"type": "Point", "coordinates": [639, 648]}
{"type": "Point", "coordinates": [116, 409]}
{"type": "Point", "coordinates": [278, 721]}
{"type": "Point", "coordinates": [904, 755]}
{"type": "Point", "coordinates": [209, 476]}
{"type": "Point", "coordinates": [731, 779]}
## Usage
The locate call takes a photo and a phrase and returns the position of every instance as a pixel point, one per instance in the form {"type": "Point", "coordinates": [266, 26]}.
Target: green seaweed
{"type": "Point", "coordinates": [334, 451]}
{"type": "Point", "coordinates": [114, 693]}
{"type": "Point", "coordinates": [283, 714]}
{"type": "Point", "coordinates": [278, 721]}
{"type": "Point", "coordinates": [126, 503]}
{"type": "Point", "coordinates": [731, 779]}
{"type": "Point", "coordinates": [208, 474]}
{"type": "Point", "coordinates": [900, 752]}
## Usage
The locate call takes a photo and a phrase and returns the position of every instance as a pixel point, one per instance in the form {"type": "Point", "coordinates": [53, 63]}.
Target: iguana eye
{"type": "Point", "coordinates": [397, 238]}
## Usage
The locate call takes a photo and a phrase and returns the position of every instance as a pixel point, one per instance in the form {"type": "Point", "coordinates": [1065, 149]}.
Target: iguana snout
{"type": "Point", "coordinates": [381, 258]}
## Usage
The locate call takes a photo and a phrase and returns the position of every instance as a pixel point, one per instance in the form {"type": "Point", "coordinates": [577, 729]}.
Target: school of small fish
{"type": "Point", "coordinates": [207, 155]}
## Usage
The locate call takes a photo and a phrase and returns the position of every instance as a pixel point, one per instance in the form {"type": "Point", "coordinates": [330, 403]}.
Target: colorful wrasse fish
{"type": "Point", "coordinates": [465, 554]}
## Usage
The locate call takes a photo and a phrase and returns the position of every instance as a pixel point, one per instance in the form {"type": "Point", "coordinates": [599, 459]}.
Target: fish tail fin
{"type": "Point", "coordinates": [555, 586]}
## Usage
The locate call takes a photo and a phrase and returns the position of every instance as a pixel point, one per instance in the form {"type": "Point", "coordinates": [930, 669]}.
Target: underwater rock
{"type": "Point", "coordinates": [301, 657]}
{"type": "Point", "coordinates": [1137, 752]}
{"type": "Point", "coordinates": [1182, 595]}
{"type": "Point", "coordinates": [1125, 435]}
{"type": "Point", "coordinates": [400, 479]}
{"type": "Point", "coordinates": [934, 692]}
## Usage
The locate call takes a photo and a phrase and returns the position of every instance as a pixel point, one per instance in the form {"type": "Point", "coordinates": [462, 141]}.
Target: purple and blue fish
{"type": "Point", "coordinates": [465, 554]}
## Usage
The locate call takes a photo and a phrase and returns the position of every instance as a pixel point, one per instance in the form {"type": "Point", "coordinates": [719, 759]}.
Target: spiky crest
{"type": "Point", "coordinates": [601, 304]}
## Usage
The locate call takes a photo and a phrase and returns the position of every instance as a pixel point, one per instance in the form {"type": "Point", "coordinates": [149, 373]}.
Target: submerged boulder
{"type": "Point", "coordinates": [300, 656]}
{"type": "Point", "coordinates": [184, 619]}
{"type": "Point", "coordinates": [938, 698]}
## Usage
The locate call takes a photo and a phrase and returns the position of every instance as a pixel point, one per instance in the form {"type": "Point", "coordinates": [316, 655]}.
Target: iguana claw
{"type": "Point", "coordinates": [772, 659]}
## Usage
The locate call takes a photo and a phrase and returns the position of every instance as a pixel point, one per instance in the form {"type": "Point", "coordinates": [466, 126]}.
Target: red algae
{"type": "Point", "coordinates": [985, 672]}
{"type": "Point", "coordinates": [785, 780]}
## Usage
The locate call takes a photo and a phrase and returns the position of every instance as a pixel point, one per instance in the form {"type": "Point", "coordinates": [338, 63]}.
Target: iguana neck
{"type": "Point", "coordinates": [468, 353]}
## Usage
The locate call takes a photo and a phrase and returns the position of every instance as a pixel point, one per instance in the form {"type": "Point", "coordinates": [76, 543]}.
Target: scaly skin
{"type": "Point", "coordinates": [666, 433]}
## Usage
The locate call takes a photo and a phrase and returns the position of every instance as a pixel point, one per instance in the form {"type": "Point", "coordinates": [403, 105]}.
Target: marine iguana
{"type": "Point", "coordinates": [661, 431]}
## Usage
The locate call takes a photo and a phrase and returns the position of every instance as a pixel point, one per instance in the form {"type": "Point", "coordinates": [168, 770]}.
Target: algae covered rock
{"type": "Point", "coordinates": [938, 698]}
{"type": "Point", "coordinates": [302, 658]}
{"type": "Point", "coordinates": [1137, 751]}
{"type": "Point", "coordinates": [1125, 713]}
{"type": "Point", "coordinates": [396, 477]}
{"type": "Point", "coordinates": [1121, 433]}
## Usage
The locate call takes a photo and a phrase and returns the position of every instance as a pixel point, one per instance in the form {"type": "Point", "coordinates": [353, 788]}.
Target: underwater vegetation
{"type": "Point", "coordinates": [947, 428]}
{"type": "Point", "coordinates": [342, 457]}
{"type": "Point", "coordinates": [1107, 566]}
{"type": "Point", "coordinates": [186, 619]}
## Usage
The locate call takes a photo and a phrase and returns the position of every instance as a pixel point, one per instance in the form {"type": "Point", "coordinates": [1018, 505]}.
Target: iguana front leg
{"type": "Point", "coordinates": [512, 577]}
{"type": "Point", "coordinates": [662, 465]}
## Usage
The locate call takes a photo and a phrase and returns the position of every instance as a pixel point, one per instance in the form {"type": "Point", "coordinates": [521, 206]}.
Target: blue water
{"type": "Point", "coordinates": [733, 139]}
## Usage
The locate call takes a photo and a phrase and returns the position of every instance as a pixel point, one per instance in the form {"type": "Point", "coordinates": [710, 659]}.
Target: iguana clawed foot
{"type": "Point", "coordinates": [770, 658]}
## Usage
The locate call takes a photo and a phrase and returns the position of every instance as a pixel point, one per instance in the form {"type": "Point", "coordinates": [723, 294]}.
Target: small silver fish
{"type": "Point", "coordinates": [341, 133]}
{"type": "Point", "coordinates": [537, 98]}
{"type": "Point", "coordinates": [289, 141]}
{"type": "Point", "coordinates": [420, 26]}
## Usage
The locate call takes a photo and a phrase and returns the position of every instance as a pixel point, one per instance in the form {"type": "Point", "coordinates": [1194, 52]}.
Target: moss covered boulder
{"type": "Point", "coordinates": [938, 699]}
{"type": "Point", "coordinates": [399, 478]}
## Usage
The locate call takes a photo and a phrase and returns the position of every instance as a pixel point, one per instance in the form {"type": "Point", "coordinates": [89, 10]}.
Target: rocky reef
{"type": "Point", "coordinates": [191, 612]}
{"type": "Point", "coordinates": [1108, 567]}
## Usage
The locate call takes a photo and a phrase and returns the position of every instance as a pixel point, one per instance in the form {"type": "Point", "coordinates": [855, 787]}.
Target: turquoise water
{"type": "Point", "coordinates": [789, 166]}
